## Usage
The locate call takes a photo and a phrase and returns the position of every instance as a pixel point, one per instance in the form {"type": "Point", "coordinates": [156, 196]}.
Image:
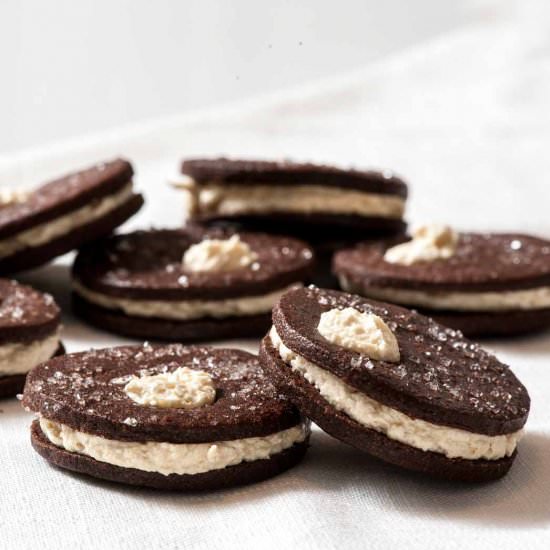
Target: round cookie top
{"type": "Point", "coordinates": [233, 171]}
{"type": "Point", "coordinates": [86, 392]}
{"type": "Point", "coordinates": [441, 377]}
{"type": "Point", "coordinates": [26, 314]}
{"type": "Point", "coordinates": [148, 265]}
{"type": "Point", "coordinates": [63, 195]}
{"type": "Point", "coordinates": [481, 262]}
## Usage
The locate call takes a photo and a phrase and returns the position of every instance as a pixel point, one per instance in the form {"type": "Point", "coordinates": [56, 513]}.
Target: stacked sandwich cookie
{"type": "Point", "coordinates": [61, 215]}
{"type": "Point", "coordinates": [481, 284]}
{"type": "Point", "coordinates": [271, 192]}
{"type": "Point", "coordinates": [186, 286]}
{"type": "Point", "coordinates": [29, 333]}
{"type": "Point", "coordinates": [395, 384]}
{"type": "Point", "coordinates": [168, 417]}
{"type": "Point", "coordinates": [327, 206]}
{"type": "Point", "coordinates": [387, 380]}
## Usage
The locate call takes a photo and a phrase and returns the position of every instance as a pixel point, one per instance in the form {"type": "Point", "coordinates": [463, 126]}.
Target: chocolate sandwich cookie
{"type": "Point", "coordinates": [395, 384]}
{"type": "Point", "coordinates": [168, 417]}
{"type": "Point", "coordinates": [315, 201]}
{"type": "Point", "coordinates": [481, 284]}
{"type": "Point", "coordinates": [63, 214]}
{"type": "Point", "coordinates": [186, 285]}
{"type": "Point", "coordinates": [29, 333]}
{"type": "Point", "coordinates": [322, 250]}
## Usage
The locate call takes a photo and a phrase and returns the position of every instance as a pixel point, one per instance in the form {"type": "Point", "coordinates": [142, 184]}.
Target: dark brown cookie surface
{"type": "Point", "coordinates": [344, 428]}
{"type": "Point", "coordinates": [148, 265]}
{"type": "Point", "coordinates": [154, 328]}
{"type": "Point", "coordinates": [482, 262]}
{"type": "Point", "coordinates": [240, 191]}
{"type": "Point", "coordinates": [33, 257]}
{"type": "Point", "coordinates": [441, 377]}
{"type": "Point", "coordinates": [86, 391]}
{"type": "Point", "coordinates": [229, 171]}
{"type": "Point", "coordinates": [26, 314]}
{"type": "Point", "coordinates": [231, 476]}
{"type": "Point", "coordinates": [323, 236]}
{"type": "Point", "coordinates": [11, 385]}
{"type": "Point", "coordinates": [65, 194]}
{"type": "Point", "coordinates": [489, 323]}
{"type": "Point", "coordinates": [313, 227]}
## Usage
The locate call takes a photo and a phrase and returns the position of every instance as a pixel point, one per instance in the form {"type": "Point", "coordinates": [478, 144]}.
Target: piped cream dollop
{"type": "Point", "coordinates": [364, 333]}
{"type": "Point", "coordinates": [430, 242]}
{"type": "Point", "coordinates": [219, 255]}
{"type": "Point", "coordinates": [183, 388]}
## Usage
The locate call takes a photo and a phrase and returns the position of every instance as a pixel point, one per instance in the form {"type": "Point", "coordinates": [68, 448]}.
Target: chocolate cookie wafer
{"type": "Point", "coordinates": [186, 285]}
{"type": "Point", "coordinates": [480, 283]}
{"type": "Point", "coordinates": [306, 200]}
{"type": "Point", "coordinates": [29, 333]}
{"type": "Point", "coordinates": [168, 417]}
{"type": "Point", "coordinates": [396, 384]}
{"type": "Point", "coordinates": [62, 215]}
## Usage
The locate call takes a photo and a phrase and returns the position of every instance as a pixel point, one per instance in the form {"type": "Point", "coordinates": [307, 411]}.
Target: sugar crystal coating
{"type": "Point", "coordinates": [95, 381]}
{"type": "Point", "coordinates": [438, 370]}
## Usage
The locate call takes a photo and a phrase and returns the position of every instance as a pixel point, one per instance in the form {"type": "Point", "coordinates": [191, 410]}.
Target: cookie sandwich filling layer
{"type": "Point", "coordinates": [172, 458]}
{"type": "Point", "coordinates": [451, 442]}
{"type": "Point", "coordinates": [50, 230]}
{"type": "Point", "coordinates": [214, 199]}
{"type": "Point", "coordinates": [20, 357]}
{"type": "Point", "coordinates": [527, 299]}
{"type": "Point", "coordinates": [431, 242]}
{"type": "Point", "coordinates": [184, 310]}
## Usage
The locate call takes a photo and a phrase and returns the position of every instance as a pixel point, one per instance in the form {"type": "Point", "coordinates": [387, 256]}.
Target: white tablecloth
{"type": "Point", "coordinates": [466, 119]}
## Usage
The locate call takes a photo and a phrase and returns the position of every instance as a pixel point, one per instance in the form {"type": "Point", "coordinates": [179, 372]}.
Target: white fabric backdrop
{"type": "Point", "coordinates": [466, 120]}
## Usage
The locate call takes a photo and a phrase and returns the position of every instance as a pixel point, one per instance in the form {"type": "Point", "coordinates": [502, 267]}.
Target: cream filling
{"type": "Point", "coordinates": [451, 442]}
{"type": "Point", "coordinates": [430, 242]}
{"type": "Point", "coordinates": [48, 231]}
{"type": "Point", "coordinates": [20, 358]}
{"type": "Point", "coordinates": [182, 388]}
{"type": "Point", "coordinates": [216, 255]}
{"type": "Point", "coordinates": [172, 458]}
{"type": "Point", "coordinates": [532, 298]}
{"type": "Point", "coordinates": [186, 309]}
{"type": "Point", "coordinates": [365, 333]}
{"type": "Point", "coordinates": [230, 200]}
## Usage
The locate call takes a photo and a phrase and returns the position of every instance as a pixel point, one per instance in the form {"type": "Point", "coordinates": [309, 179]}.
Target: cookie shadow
{"type": "Point", "coordinates": [534, 344]}
{"type": "Point", "coordinates": [285, 482]}
{"type": "Point", "coordinates": [519, 499]}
